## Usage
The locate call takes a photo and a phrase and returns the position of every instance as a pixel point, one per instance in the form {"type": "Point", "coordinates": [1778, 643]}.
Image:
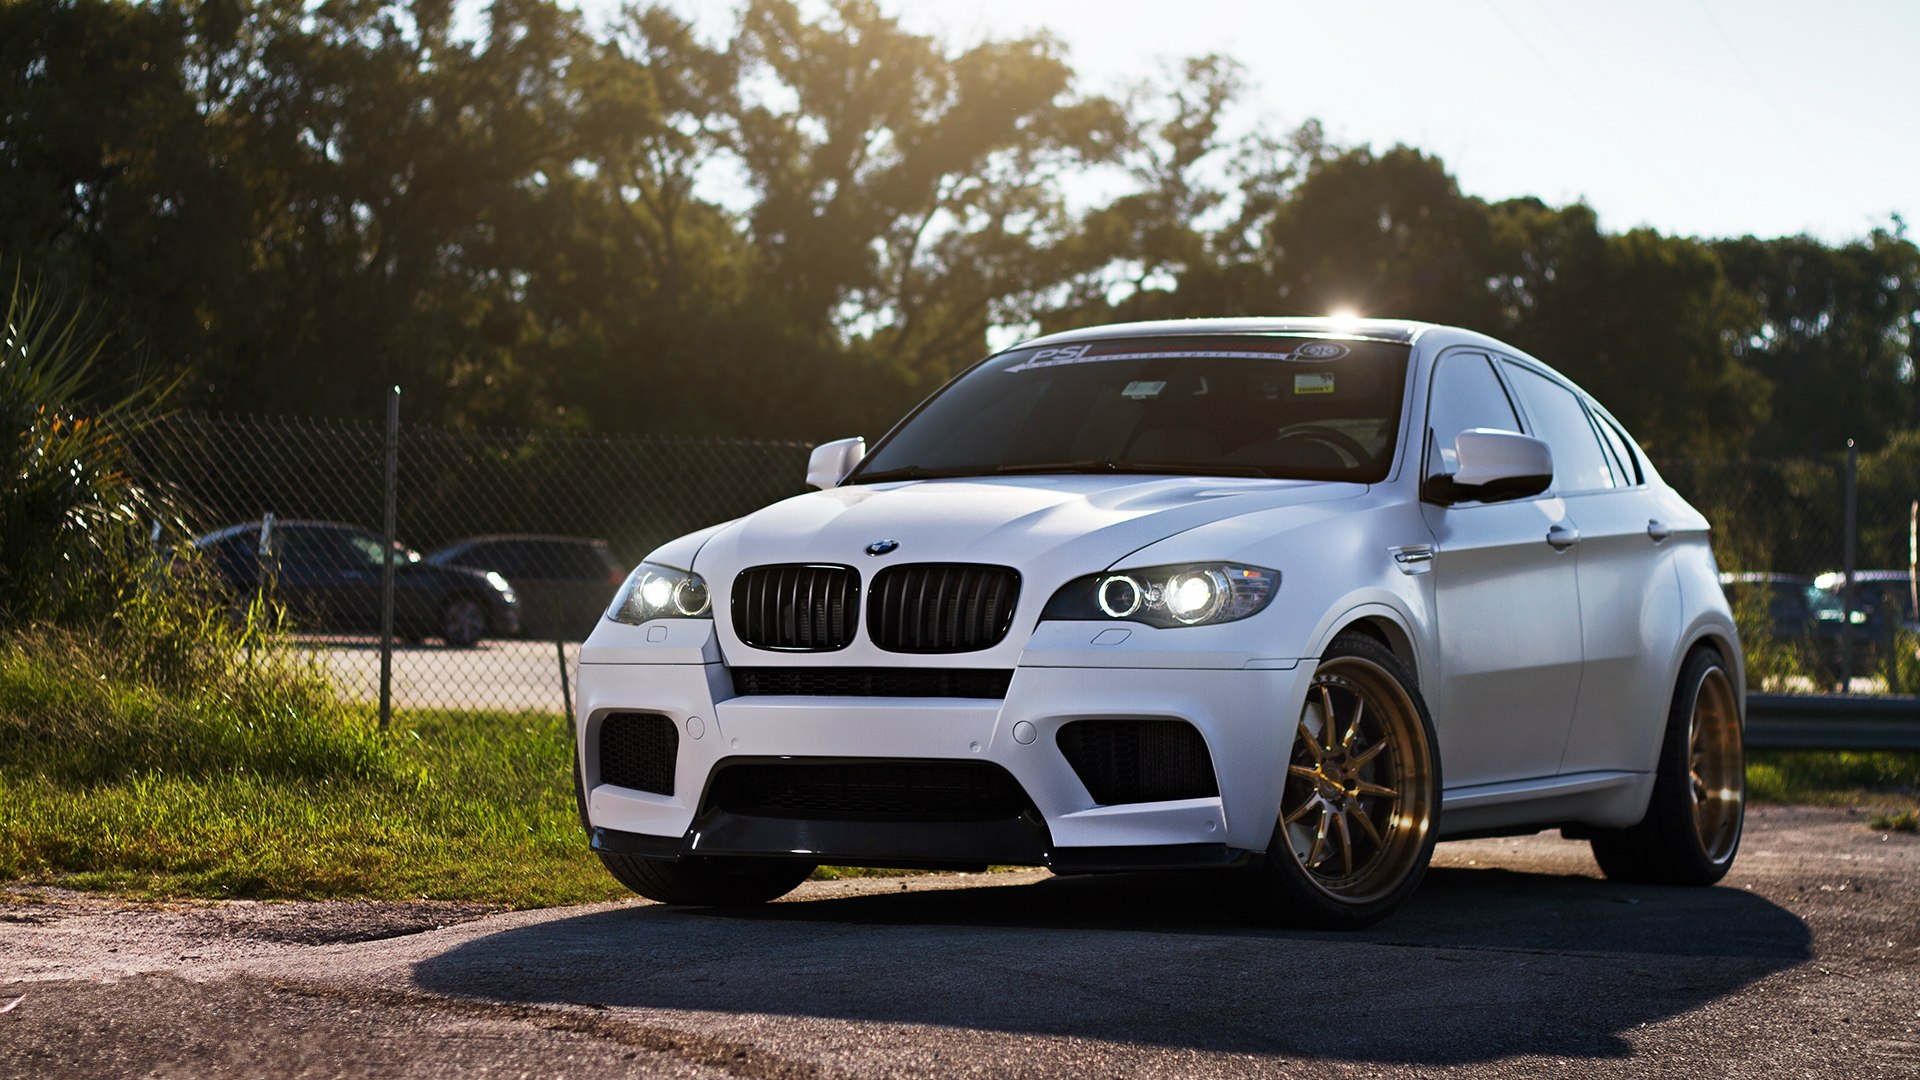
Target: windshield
{"type": "Point", "coordinates": [1289, 407]}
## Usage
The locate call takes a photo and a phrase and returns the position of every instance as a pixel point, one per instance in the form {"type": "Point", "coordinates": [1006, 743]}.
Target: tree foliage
{"type": "Point", "coordinates": [802, 224]}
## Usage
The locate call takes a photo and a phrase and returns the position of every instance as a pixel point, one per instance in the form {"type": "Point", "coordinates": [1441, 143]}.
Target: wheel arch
{"type": "Point", "coordinates": [1384, 624]}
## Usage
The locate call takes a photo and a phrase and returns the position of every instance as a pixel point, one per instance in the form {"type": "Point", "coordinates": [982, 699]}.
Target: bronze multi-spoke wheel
{"type": "Point", "coordinates": [1357, 813]}
{"type": "Point", "coordinates": [1692, 826]}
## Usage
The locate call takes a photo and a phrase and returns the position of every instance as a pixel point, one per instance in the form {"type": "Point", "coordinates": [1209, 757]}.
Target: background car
{"type": "Point", "coordinates": [328, 575]}
{"type": "Point", "coordinates": [1787, 600]}
{"type": "Point", "coordinates": [1882, 607]}
{"type": "Point", "coordinates": [564, 582]}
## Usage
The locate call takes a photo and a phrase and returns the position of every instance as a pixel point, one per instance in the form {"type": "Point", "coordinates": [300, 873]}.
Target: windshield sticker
{"type": "Point", "coordinates": [1141, 389]}
{"type": "Point", "coordinates": [1320, 382]}
{"type": "Point", "coordinates": [1078, 354]}
{"type": "Point", "coordinates": [1321, 350]}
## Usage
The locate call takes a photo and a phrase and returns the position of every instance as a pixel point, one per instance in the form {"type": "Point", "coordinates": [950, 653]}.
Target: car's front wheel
{"type": "Point", "coordinates": [703, 882]}
{"type": "Point", "coordinates": [1360, 809]}
{"type": "Point", "coordinates": [1693, 822]}
{"type": "Point", "coordinates": [462, 621]}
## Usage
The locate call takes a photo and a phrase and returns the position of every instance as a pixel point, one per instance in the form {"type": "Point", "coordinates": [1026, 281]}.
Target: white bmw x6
{"type": "Point", "coordinates": [1289, 599]}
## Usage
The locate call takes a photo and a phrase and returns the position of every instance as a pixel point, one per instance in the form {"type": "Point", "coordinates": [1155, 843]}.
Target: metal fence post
{"type": "Point", "coordinates": [1848, 557]}
{"type": "Point", "coordinates": [386, 570]}
{"type": "Point", "coordinates": [566, 690]}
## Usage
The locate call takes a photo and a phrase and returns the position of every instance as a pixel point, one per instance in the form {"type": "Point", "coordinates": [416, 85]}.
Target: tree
{"type": "Point", "coordinates": [1833, 333]}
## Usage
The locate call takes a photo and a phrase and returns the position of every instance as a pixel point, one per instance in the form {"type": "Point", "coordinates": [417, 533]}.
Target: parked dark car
{"type": "Point", "coordinates": [328, 575]}
{"type": "Point", "coordinates": [1882, 607]}
{"type": "Point", "coordinates": [1787, 598]}
{"type": "Point", "coordinates": [564, 582]}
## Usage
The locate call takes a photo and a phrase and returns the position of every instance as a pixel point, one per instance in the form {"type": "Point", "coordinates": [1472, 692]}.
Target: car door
{"type": "Point", "coordinates": [319, 577]}
{"type": "Point", "coordinates": [1629, 590]}
{"type": "Point", "coordinates": [1506, 602]}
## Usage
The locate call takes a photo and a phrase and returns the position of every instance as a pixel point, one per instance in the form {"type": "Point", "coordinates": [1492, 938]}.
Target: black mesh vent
{"type": "Point", "coordinates": [802, 608]}
{"type": "Point", "coordinates": [637, 750]}
{"type": "Point", "coordinates": [941, 608]}
{"type": "Point", "coordinates": [868, 791]}
{"type": "Point", "coordinates": [1135, 761]}
{"type": "Point", "coordinates": [873, 682]}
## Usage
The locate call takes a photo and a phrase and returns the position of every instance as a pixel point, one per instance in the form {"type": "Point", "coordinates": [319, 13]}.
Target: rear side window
{"type": "Point", "coordinates": [1616, 440]}
{"type": "Point", "coordinates": [1579, 462]}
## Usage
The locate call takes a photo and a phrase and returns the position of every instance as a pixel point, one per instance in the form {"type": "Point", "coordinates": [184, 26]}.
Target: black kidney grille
{"type": "Point", "coordinates": [941, 608]}
{"type": "Point", "coordinates": [868, 791]}
{"type": "Point", "coordinates": [638, 751]}
{"type": "Point", "coordinates": [873, 682]}
{"type": "Point", "coordinates": [801, 608]}
{"type": "Point", "coordinates": [1135, 761]}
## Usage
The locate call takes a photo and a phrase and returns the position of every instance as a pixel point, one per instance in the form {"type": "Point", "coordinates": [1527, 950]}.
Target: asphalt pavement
{"type": "Point", "coordinates": [1514, 959]}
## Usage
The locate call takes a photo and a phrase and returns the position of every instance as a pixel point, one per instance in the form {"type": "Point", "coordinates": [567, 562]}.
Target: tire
{"type": "Point", "coordinates": [700, 882]}
{"type": "Point", "coordinates": [463, 621]}
{"type": "Point", "coordinates": [1359, 813]}
{"type": "Point", "coordinates": [1691, 830]}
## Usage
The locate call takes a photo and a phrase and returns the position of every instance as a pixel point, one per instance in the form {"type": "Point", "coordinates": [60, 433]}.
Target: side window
{"type": "Point", "coordinates": [1579, 462]}
{"type": "Point", "coordinates": [1466, 394]}
{"type": "Point", "coordinates": [368, 551]}
{"type": "Point", "coordinates": [312, 549]}
{"type": "Point", "coordinates": [1630, 474]}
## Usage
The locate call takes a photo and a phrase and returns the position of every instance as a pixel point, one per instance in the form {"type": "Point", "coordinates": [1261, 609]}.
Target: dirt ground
{"type": "Point", "coordinates": [1514, 959]}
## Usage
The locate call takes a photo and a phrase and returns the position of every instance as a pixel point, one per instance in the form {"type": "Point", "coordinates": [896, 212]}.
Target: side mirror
{"type": "Point", "coordinates": [831, 462]}
{"type": "Point", "coordinates": [1493, 466]}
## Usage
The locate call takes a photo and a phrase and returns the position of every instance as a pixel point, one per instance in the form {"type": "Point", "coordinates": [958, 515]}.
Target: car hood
{"type": "Point", "coordinates": [1047, 527]}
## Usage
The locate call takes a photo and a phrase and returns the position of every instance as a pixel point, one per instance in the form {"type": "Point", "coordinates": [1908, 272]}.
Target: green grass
{"type": "Point", "coordinates": [261, 785]}
{"type": "Point", "coordinates": [1833, 778]}
{"type": "Point", "coordinates": [469, 806]}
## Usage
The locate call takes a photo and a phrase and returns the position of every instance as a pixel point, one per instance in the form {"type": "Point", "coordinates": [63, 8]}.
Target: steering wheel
{"type": "Point", "coordinates": [1339, 441]}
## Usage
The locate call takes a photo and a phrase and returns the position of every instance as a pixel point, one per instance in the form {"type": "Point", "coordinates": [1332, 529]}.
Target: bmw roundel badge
{"type": "Point", "coordinates": [882, 547]}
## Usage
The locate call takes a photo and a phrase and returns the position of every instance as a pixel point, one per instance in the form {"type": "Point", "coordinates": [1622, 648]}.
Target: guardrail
{"type": "Point", "coordinates": [1833, 722]}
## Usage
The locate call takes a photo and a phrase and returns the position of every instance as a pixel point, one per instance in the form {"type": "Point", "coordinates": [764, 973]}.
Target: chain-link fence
{"type": "Point", "coordinates": [1818, 556]}
{"type": "Point", "coordinates": [510, 543]}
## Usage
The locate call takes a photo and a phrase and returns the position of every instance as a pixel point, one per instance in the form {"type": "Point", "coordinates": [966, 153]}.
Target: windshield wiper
{"type": "Point", "coordinates": [1109, 465]}
{"type": "Point", "coordinates": [914, 472]}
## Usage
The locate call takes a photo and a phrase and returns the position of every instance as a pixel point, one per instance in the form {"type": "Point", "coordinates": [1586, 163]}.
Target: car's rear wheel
{"type": "Point", "coordinates": [701, 882]}
{"type": "Point", "coordinates": [1360, 809]}
{"type": "Point", "coordinates": [1692, 828]}
{"type": "Point", "coordinates": [462, 621]}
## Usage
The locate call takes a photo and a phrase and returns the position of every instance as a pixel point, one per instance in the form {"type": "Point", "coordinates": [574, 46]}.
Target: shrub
{"type": "Point", "coordinates": [72, 520]}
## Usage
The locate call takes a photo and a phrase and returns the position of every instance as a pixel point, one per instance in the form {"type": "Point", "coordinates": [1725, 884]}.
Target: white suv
{"type": "Point", "coordinates": [1287, 598]}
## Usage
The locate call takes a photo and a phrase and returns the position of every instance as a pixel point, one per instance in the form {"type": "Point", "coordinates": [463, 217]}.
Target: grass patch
{"type": "Point", "coordinates": [1832, 778]}
{"type": "Point", "coordinates": [261, 785]}
{"type": "Point", "coordinates": [468, 806]}
{"type": "Point", "coordinates": [1904, 821]}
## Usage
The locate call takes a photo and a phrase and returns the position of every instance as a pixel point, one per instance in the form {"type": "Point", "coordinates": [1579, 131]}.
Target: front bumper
{"type": "Point", "coordinates": [1247, 717]}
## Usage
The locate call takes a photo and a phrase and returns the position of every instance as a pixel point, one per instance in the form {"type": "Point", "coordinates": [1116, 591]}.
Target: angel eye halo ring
{"type": "Point", "coordinates": [653, 591]}
{"type": "Point", "coordinates": [1190, 594]}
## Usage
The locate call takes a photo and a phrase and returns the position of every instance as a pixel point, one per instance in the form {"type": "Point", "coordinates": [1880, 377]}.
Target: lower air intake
{"type": "Point", "coordinates": [638, 751]}
{"type": "Point", "coordinates": [1137, 761]}
{"type": "Point", "coordinates": [868, 791]}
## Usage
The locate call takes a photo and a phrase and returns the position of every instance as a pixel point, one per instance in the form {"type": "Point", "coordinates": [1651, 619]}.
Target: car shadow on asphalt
{"type": "Point", "coordinates": [1481, 964]}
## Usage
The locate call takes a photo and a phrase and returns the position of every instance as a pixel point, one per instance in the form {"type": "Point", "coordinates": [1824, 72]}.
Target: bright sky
{"type": "Point", "coordinates": [1703, 117]}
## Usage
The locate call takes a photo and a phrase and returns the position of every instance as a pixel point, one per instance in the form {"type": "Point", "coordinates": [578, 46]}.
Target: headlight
{"type": "Point", "coordinates": [661, 592]}
{"type": "Point", "coordinates": [500, 585]}
{"type": "Point", "coordinates": [1190, 595]}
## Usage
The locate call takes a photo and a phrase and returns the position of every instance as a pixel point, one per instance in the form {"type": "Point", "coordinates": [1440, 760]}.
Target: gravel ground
{"type": "Point", "coordinates": [1513, 960]}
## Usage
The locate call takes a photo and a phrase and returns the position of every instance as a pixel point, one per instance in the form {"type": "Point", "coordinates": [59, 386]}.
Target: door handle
{"type": "Point", "coordinates": [1659, 530]}
{"type": "Point", "coordinates": [1562, 537]}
